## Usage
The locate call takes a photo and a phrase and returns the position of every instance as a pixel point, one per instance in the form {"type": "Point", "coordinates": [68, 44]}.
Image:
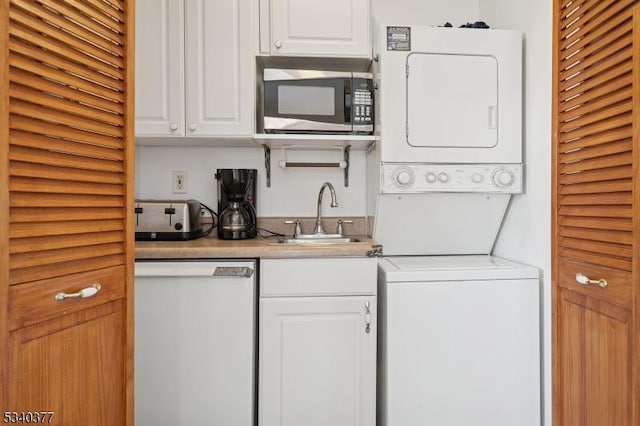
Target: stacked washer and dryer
{"type": "Point", "coordinates": [459, 328]}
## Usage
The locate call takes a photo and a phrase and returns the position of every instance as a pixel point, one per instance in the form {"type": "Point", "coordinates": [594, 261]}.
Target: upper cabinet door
{"type": "Point", "coordinates": [160, 68]}
{"type": "Point", "coordinates": [220, 67]}
{"type": "Point", "coordinates": [338, 28]}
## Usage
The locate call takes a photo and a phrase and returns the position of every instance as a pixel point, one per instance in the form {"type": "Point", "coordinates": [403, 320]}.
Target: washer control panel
{"type": "Point", "coordinates": [412, 177]}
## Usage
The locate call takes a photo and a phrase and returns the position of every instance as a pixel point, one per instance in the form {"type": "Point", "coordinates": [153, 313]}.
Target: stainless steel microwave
{"type": "Point", "coordinates": [308, 101]}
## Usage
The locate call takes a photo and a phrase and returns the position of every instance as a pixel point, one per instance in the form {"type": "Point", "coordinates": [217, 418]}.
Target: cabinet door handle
{"type": "Point", "coordinates": [192, 127]}
{"type": "Point", "coordinates": [278, 44]}
{"type": "Point", "coordinates": [173, 126]}
{"type": "Point", "coordinates": [584, 280]}
{"type": "Point", "coordinates": [233, 272]}
{"type": "Point", "coordinates": [367, 317]}
{"type": "Point", "coordinates": [82, 294]}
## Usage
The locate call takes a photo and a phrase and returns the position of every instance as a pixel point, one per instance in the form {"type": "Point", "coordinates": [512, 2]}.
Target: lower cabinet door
{"type": "Point", "coordinates": [317, 361]}
{"type": "Point", "coordinates": [70, 370]}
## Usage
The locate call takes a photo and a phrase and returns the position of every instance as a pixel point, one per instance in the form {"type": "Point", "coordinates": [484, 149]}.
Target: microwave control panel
{"type": "Point", "coordinates": [362, 103]}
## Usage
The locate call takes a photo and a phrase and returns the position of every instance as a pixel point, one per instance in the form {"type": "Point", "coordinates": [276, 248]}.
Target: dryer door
{"type": "Point", "coordinates": [452, 100]}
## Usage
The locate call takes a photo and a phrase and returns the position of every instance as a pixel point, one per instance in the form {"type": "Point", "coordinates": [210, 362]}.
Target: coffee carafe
{"type": "Point", "coordinates": [236, 203]}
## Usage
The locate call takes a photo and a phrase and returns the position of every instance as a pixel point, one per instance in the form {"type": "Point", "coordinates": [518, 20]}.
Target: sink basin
{"type": "Point", "coordinates": [317, 240]}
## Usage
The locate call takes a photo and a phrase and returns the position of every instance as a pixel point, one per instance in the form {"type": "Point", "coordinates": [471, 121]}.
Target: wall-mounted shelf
{"type": "Point", "coordinates": [277, 140]}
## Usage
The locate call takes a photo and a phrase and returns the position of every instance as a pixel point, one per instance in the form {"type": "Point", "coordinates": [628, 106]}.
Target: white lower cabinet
{"type": "Point", "coordinates": [317, 354]}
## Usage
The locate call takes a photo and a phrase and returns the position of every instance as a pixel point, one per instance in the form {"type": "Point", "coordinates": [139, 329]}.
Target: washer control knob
{"type": "Point", "coordinates": [503, 177]}
{"type": "Point", "coordinates": [477, 178]}
{"type": "Point", "coordinates": [430, 177]}
{"type": "Point", "coordinates": [443, 177]}
{"type": "Point", "coordinates": [403, 177]}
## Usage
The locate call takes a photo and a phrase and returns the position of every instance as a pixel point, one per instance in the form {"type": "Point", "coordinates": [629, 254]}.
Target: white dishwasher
{"type": "Point", "coordinates": [195, 343]}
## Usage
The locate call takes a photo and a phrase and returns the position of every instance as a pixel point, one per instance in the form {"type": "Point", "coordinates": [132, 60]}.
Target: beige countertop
{"type": "Point", "coordinates": [212, 247]}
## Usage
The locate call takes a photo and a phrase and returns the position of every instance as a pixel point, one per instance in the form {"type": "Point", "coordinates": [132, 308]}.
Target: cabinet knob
{"type": "Point", "coordinates": [192, 126]}
{"type": "Point", "coordinates": [173, 126]}
{"type": "Point", "coordinates": [277, 44]}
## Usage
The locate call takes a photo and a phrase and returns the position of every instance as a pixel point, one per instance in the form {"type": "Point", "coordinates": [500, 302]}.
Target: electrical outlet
{"type": "Point", "coordinates": [179, 182]}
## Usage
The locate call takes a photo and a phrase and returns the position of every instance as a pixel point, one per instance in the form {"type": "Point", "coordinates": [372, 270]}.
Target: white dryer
{"type": "Point", "coordinates": [449, 154]}
{"type": "Point", "coordinates": [449, 95]}
{"type": "Point", "coordinates": [458, 342]}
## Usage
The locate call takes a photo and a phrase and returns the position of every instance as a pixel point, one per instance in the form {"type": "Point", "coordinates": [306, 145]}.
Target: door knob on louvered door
{"type": "Point", "coordinates": [82, 294]}
{"type": "Point", "coordinates": [584, 280]}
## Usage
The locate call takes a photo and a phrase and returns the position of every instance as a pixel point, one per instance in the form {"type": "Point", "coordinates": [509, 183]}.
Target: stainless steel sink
{"type": "Point", "coordinates": [317, 240]}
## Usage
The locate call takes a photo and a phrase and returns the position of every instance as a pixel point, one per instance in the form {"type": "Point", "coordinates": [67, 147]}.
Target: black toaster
{"type": "Point", "coordinates": [167, 220]}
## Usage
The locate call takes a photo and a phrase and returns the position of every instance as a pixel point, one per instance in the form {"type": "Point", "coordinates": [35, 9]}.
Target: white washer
{"type": "Point", "coordinates": [459, 342]}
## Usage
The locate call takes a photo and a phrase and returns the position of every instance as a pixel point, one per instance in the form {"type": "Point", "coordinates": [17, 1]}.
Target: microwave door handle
{"type": "Point", "coordinates": [347, 102]}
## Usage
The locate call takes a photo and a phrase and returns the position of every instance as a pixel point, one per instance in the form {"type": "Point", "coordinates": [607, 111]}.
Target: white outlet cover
{"type": "Point", "coordinates": [179, 182]}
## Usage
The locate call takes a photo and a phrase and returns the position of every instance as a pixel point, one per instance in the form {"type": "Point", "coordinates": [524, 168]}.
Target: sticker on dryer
{"type": "Point", "coordinates": [398, 38]}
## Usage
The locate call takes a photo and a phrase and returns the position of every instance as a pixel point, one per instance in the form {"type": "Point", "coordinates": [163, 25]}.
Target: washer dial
{"type": "Point", "coordinates": [503, 177]}
{"type": "Point", "coordinates": [403, 177]}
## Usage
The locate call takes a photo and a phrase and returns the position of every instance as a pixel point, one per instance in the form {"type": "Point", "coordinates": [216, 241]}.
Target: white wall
{"type": "Point", "coordinates": [424, 12]}
{"type": "Point", "coordinates": [526, 234]}
{"type": "Point", "coordinates": [293, 192]}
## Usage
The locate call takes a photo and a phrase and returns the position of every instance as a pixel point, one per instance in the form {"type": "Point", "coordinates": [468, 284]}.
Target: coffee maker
{"type": "Point", "coordinates": [236, 203]}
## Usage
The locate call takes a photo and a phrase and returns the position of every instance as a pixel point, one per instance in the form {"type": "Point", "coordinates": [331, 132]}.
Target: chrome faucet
{"type": "Point", "coordinates": [319, 229]}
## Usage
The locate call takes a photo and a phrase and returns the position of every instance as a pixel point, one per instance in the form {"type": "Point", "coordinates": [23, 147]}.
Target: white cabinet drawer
{"type": "Point", "coordinates": [318, 277]}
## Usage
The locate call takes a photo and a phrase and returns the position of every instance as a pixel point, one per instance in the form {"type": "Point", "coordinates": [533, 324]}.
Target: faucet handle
{"type": "Point", "coordinates": [340, 227]}
{"type": "Point", "coordinates": [297, 230]}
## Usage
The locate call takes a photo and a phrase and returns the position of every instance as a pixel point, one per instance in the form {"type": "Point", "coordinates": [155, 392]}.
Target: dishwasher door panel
{"type": "Point", "coordinates": [194, 343]}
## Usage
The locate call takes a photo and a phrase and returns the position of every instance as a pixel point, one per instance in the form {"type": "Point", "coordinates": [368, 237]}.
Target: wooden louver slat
{"type": "Point", "coordinates": [597, 223]}
{"type": "Point", "coordinates": [75, 17]}
{"type": "Point", "coordinates": [34, 141]}
{"type": "Point", "coordinates": [573, 145]}
{"type": "Point", "coordinates": [54, 38]}
{"type": "Point", "coordinates": [591, 55]}
{"type": "Point", "coordinates": [70, 26]}
{"type": "Point", "coordinates": [594, 136]}
{"type": "Point", "coordinates": [34, 156]}
{"type": "Point", "coordinates": [67, 137]}
{"type": "Point", "coordinates": [19, 216]}
{"type": "Point", "coordinates": [593, 24]}
{"type": "Point", "coordinates": [100, 18]}
{"type": "Point", "coordinates": [597, 187]}
{"type": "Point", "coordinates": [608, 19]}
{"type": "Point", "coordinates": [37, 229]}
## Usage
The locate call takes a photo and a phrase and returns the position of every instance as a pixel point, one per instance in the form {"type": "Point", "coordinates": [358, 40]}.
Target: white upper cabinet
{"type": "Point", "coordinates": [220, 67]}
{"type": "Point", "coordinates": [331, 28]}
{"type": "Point", "coordinates": [195, 68]}
{"type": "Point", "coordinates": [160, 68]}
